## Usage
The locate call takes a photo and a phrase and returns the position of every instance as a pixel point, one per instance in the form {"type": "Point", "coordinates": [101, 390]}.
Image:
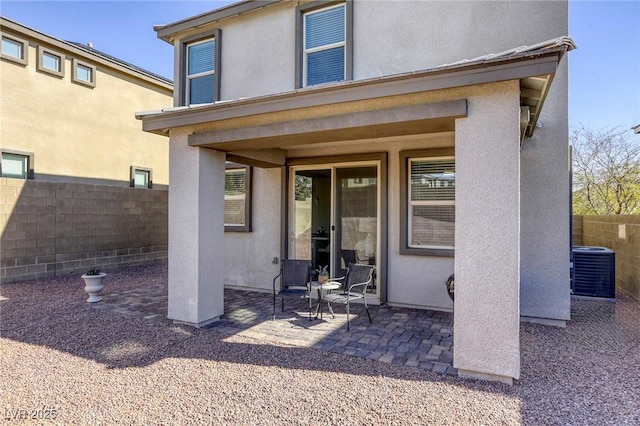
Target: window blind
{"type": "Point", "coordinates": [324, 44]}
{"type": "Point", "coordinates": [201, 57]}
{"type": "Point", "coordinates": [235, 187]}
{"type": "Point", "coordinates": [432, 203]}
{"type": "Point", "coordinates": [200, 72]}
{"type": "Point", "coordinates": [432, 180]}
{"type": "Point", "coordinates": [324, 27]}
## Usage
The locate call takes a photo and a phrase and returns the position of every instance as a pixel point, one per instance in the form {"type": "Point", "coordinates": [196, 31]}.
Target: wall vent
{"type": "Point", "coordinates": [594, 272]}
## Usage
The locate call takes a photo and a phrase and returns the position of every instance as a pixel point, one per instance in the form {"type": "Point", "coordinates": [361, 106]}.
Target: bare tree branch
{"type": "Point", "coordinates": [606, 171]}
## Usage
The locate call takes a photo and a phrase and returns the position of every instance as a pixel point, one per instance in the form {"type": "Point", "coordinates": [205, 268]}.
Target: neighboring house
{"type": "Point", "coordinates": [636, 129]}
{"type": "Point", "coordinates": [352, 125]}
{"type": "Point", "coordinates": [68, 140]}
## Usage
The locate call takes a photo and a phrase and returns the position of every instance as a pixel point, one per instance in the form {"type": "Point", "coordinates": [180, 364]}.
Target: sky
{"type": "Point", "coordinates": [604, 72]}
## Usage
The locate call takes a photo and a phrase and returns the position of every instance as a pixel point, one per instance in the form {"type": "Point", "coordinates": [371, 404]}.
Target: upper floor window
{"type": "Point", "coordinates": [14, 49]}
{"type": "Point", "coordinates": [83, 73]}
{"type": "Point", "coordinates": [325, 45]}
{"type": "Point", "coordinates": [16, 164]}
{"type": "Point", "coordinates": [50, 62]}
{"type": "Point", "coordinates": [201, 83]}
{"type": "Point", "coordinates": [324, 42]}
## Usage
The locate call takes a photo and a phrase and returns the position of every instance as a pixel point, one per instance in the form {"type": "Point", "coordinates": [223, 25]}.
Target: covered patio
{"type": "Point", "coordinates": [400, 336]}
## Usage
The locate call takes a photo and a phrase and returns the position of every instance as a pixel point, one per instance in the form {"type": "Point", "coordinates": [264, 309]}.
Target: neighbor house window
{"type": "Point", "coordinates": [429, 204]}
{"type": "Point", "coordinates": [15, 49]}
{"type": "Point", "coordinates": [201, 70]}
{"type": "Point", "coordinates": [16, 164]}
{"type": "Point", "coordinates": [83, 73]}
{"type": "Point", "coordinates": [140, 177]}
{"type": "Point", "coordinates": [237, 198]}
{"type": "Point", "coordinates": [50, 62]}
{"type": "Point", "coordinates": [325, 43]}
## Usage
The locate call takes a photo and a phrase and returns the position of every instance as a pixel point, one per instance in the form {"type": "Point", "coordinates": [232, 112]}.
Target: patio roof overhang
{"type": "Point", "coordinates": [532, 66]}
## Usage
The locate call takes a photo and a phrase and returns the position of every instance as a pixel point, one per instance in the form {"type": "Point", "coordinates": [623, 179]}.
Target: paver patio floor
{"type": "Point", "coordinates": [412, 337]}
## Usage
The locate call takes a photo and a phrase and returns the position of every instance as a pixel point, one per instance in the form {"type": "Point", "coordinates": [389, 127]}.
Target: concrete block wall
{"type": "Point", "coordinates": [621, 233]}
{"type": "Point", "coordinates": [55, 228]}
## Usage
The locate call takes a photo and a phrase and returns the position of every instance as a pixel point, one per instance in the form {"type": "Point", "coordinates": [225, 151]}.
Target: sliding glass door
{"type": "Point", "coordinates": [333, 215]}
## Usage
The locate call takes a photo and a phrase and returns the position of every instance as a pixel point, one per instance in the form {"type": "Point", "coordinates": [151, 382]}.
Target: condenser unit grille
{"type": "Point", "coordinates": [594, 272]}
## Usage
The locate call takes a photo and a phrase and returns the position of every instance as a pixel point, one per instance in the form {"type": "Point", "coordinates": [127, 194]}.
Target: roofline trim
{"type": "Point", "coordinates": [166, 32]}
{"type": "Point", "coordinates": [16, 27]}
{"type": "Point", "coordinates": [526, 65]}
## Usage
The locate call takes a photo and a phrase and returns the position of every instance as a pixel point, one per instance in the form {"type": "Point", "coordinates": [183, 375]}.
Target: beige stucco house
{"type": "Point", "coordinates": [68, 107]}
{"type": "Point", "coordinates": [75, 165]}
{"type": "Point", "coordinates": [407, 131]}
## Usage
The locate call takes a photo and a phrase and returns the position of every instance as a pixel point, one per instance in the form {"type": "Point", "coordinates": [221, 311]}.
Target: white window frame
{"type": "Point", "coordinates": [411, 203]}
{"type": "Point", "coordinates": [28, 158]}
{"type": "Point", "coordinates": [23, 59]}
{"type": "Point", "coordinates": [306, 52]}
{"type": "Point", "coordinates": [74, 77]}
{"type": "Point", "coordinates": [145, 170]}
{"type": "Point", "coordinates": [42, 51]}
{"type": "Point", "coordinates": [189, 77]}
{"type": "Point", "coordinates": [246, 226]}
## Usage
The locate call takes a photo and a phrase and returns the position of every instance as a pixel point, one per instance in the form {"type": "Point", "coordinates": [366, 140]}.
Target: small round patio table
{"type": "Point", "coordinates": [322, 289]}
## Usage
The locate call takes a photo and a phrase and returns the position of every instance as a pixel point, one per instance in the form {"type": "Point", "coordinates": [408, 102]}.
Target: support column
{"type": "Point", "coordinates": [196, 233]}
{"type": "Point", "coordinates": [487, 258]}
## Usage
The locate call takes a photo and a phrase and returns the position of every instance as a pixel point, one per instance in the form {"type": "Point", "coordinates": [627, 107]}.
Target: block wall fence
{"type": "Point", "coordinates": [620, 233]}
{"type": "Point", "coordinates": [55, 228]}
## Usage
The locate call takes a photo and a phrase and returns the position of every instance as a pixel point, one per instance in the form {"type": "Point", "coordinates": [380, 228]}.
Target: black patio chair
{"type": "Point", "coordinates": [354, 287]}
{"type": "Point", "coordinates": [295, 276]}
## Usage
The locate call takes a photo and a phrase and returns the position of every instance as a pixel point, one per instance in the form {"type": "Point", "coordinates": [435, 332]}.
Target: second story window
{"type": "Point", "coordinates": [325, 45]}
{"type": "Point", "coordinates": [50, 62]}
{"type": "Point", "coordinates": [201, 72]}
{"type": "Point", "coordinates": [324, 42]}
{"type": "Point", "coordinates": [14, 49]}
{"type": "Point", "coordinates": [83, 73]}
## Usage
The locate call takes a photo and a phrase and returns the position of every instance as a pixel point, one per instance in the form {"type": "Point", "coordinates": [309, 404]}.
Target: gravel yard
{"type": "Point", "coordinates": [65, 361]}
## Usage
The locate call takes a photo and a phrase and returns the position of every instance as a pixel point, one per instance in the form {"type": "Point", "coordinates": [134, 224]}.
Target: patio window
{"type": "Point", "coordinates": [428, 222]}
{"type": "Point", "coordinates": [237, 198]}
{"type": "Point", "coordinates": [15, 49]}
{"type": "Point", "coordinates": [324, 40]}
{"type": "Point", "coordinates": [201, 67]}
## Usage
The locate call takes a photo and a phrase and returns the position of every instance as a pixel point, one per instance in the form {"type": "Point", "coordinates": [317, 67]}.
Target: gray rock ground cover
{"type": "Point", "coordinates": [63, 359]}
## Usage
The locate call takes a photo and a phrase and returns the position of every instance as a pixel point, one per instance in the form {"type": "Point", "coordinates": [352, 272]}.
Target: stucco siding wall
{"type": "Point", "coordinates": [55, 228]}
{"type": "Point", "coordinates": [258, 54]}
{"type": "Point", "coordinates": [487, 258]}
{"type": "Point", "coordinates": [546, 208]}
{"type": "Point", "coordinates": [389, 37]}
{"type": "Point", "coordinates": [248, 256]}
{"type": "Point", "coordinates": [78, 133]}
{"type": "Point", "coordinates": [424, 34]}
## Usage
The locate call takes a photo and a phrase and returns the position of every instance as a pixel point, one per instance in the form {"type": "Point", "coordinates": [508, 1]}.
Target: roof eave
{"type": "Point", "coordinates": [167, 32]}
{"type": "Point", "coordinates": [83, 52]}
{"type": "Point", "coordinates": [421, 81]}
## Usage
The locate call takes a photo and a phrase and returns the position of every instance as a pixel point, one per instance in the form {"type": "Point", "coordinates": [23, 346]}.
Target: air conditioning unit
{"type": "Point", "coordinates": [594, 272]}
